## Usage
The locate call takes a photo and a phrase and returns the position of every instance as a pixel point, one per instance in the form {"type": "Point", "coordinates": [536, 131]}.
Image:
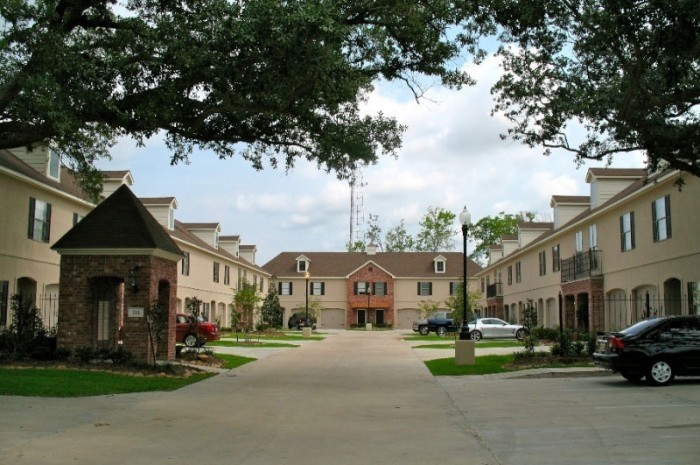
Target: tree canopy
{"type": "Point", "coordinates": [266, 80]}
{"type": "Point", "coordinates": [625, 74]}
{"type": "Point", "coordinates": [490, 229]}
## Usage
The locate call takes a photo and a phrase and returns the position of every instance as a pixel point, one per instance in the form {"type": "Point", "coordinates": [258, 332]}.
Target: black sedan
{"type": "Point", "coordinates": [658, 349]}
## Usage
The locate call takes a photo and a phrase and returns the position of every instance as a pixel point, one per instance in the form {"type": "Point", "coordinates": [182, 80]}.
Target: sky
{"type": "Point", "coordinates": [452, 156]}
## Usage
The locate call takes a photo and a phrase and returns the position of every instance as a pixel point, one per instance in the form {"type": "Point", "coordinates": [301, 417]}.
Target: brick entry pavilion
{"type": "Point", "coordinates": [115, 264]}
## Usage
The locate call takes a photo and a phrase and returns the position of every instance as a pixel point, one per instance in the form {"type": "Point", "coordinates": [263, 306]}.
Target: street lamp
{"type": "Point", "coordinates": [465, 218]}
{"type": "Point", "coordinates": [306, 321]}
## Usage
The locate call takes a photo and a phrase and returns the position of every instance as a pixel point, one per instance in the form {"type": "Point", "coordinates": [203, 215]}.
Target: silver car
{"type": "Point", "coordinates": [495, 328]}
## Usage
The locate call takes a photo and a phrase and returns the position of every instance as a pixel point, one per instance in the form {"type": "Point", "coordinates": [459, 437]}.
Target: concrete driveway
{"type": "Point", "coordinates": [359, 398]}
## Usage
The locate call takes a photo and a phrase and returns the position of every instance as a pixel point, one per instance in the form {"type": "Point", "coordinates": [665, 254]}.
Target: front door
{"type": "Point", "coordinates": [379, 317]}
{"type": "Point", "coordinates": [361, 317]}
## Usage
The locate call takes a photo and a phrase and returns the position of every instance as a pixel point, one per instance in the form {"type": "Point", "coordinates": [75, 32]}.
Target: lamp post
{"type": "Point", "coordinates": [306, 321]}
{"type": "Point", "coordinates": [465, 218]}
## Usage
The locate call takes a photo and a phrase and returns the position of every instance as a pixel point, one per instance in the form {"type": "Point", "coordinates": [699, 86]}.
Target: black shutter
{"type": "Point", "coordinates": [622, 233]}
{"type": "Point", "coordinates": [291, 289]}
{"type": "Point", "coordinates": [47, 229]}
{"type": "Point", "coordinates": [355, 287]}
{"type": "Point", "coordinates": [4, 285]}
{"type": "Point", "coordinates": [32, 204]}
{"type": "Point", "coordinates": [668, 215]}
{"type": "Point", "coordinates": [323, 288]}
{"type": "Point", "coordinates": [632, 228]}
{"type": "Point", "coordinates": [654, 225]}
{"type": "Point", "coordinates": [430, 288]}
{"type": "Point", "coordinates": [419, 288]}
{"type": "Point", "coordinates": [279, 288]}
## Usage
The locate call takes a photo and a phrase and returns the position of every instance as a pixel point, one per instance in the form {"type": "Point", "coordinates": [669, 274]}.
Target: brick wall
{"type": "Point", "coordinates": [87, 279]}
{"type": "Point", "coordinates": [370, 273]}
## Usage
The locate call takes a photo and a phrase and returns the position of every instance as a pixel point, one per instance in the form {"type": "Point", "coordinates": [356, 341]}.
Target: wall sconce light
{"type": "Point", "coordinates": [132, 279]}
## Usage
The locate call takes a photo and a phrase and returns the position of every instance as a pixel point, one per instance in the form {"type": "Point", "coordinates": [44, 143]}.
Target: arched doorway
{"type": "Point", "coordinates": [616, 314]}
{"type": "Point", "coordinates": [672, 297]}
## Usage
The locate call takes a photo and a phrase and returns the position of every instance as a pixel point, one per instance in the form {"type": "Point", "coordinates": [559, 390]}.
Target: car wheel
{"type": "Point", "coordinates": [632, 377]}
{"type": "Point", "coordinates": [441, 331]}
{"type": "Point", "coordinates": [191, 340]}
{"type": "Point", "coordinates": [423, 330]}
{"type": "Point", "coordinates": [660, 373]}
{"type": "Point", "coordinates": [476, 335]}
{"type": "Point", "coordinates": [520, 334]}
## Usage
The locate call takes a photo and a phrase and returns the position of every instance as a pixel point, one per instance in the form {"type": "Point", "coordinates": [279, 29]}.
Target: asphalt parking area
{"type": "Point", "coordinates": [577, 420]}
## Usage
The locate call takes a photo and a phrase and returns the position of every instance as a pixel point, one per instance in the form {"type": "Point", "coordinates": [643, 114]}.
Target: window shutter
{"type": "Point", "coordinates": [279, 288]}
{"type": "Point", "coordinates": [668, 215]}
{"type": "Point", "coordinates": [418, 287]}
{"type": "Point", "coordinates": [430, 288]}
{"type": "Point", "coordinates": [632, 228]}
{"type": "Point", "coordinates": [622, 233]}
{"type": "Point", "coordinates": [654, 225]}
{"type": "Point", "coordinates": [47, 229]}
{"type": "Point", "coordinates": [291, 284]}
{"type": "Point", "coordinates": [355, 287]}
{"type": "Point", "coordinates": [32, 203]}
{"type": "Point", "coordinates": [323, 288]}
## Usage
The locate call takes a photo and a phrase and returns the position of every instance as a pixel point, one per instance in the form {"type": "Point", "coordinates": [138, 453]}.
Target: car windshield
{"type": "Point", "coordinates": [640, 327]}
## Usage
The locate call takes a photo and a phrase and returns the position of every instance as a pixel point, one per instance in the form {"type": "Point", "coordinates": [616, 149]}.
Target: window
{"type": "Point", "coordinates": [440, 266]}
{"type": "Point", "coordinates": [579, 241]}
{"type": "Point", "coordinates": [661, 218]}
{"type": "Point", "coordinates": [77, 218]}
{"type": "Point", "coordinates": [216, 272]}
{"type": "Point", "coordinates": [285, 288]}
{"type": "Point", "coordinates": [262, 283]}
{"type": "Point", "coordinates": [454, 287]}
{"type": "Point", "coordinates": [593, 237]}
{"type": "Point", "coordinates": [627, 231]}
{"type": "Point", "coordinates": [543, 263]}
{"type": "Point", "coordinates": [483, 288]}
{"type": "Point", "coordinates": [171, 219]}
{"type": "Point", "coordinates": [302, 266]}
{"type": "Point", "coordinates": [555, 258]}
{"type": "Point", "coordinates": [510, 274]}
{"type": "Point", "coordinates": [317, 288]}
{"type": "Point", "coordinates": [54, 165]}
{"type": "Point", "coordinates": [39, 220]}
{"type": "Point", "coordinates": [186, 264]}
{"type": "Point", "coordinates": [227, 275]}
{"type": "Point", "coordinates": [518, 274]}
{"type": "Point", "coordinates": [425, 288]}
{"type": "Point", "coordinates": [216, 239]}
{"type": "Point", "coordinates": [255, 281]}
{"type": "Point", "coordinates": [4, 287]}
{"type": "Point", "coordinates": [361, 287]}
{"type": "Point", "coordinates": [379, 288]}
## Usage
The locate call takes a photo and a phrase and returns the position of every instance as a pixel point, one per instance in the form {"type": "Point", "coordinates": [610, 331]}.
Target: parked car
{"type": "Point", "coordinates": [194, 332]}
{"type": "Point", "coordinates": [435, 323]}
{"type": "Point", "coordinates": [298, 320]}
{"type": "Point", "coordinates": [495, 328]}
{"type": "Point", "coordinates": [658, 349]}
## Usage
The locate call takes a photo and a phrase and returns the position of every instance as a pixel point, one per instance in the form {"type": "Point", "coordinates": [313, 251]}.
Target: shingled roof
{"type": "Point", "coordinates": [119, 222]}
{"type": "Point", "coordinates": [398, 264]}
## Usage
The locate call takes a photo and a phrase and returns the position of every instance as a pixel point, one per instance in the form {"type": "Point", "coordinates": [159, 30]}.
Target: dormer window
{"type": "Point", "coordinates": [54, 168]}
{"type": "Point", "coordinates": [302, 266]}
{"type": "Point", "coordinates": [439, 264]}
{"type": "Point", "coordinates": [171, 218]}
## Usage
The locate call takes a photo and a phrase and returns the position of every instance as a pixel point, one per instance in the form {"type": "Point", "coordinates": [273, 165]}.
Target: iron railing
{"type": "Point", "coordinates": [494, 290]}
{"type": "Point", "coordinates": [583, 265]}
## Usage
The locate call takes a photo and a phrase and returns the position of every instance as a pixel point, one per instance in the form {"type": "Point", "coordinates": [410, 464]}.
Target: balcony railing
{"type": "Point", "coordinates": [583, 265]}
{"type": "Point", "coordinates": [494, 290]}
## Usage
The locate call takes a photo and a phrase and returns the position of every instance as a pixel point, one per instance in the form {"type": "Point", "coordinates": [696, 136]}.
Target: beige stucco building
{"type": "Point", "coordinates": [355, 288]}
{"type": "Point", "coordinates": [41, 201]}
{"type": "Point", "coordinates": [628, 251]}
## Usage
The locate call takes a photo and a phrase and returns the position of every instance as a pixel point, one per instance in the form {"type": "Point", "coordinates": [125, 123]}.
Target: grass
{"type": "Point", "coordinates": [234, 361]}
{"type": "Point", "coordinates": [81, 383]}
{"type": "Point", "coordinates": [260, 345]}
{"type": "Point", "coordinates": [490, 364]}
{"type": "Point", "coordinates": [279, 336]}
{"type": "Point", "coordinates": [478, 345]}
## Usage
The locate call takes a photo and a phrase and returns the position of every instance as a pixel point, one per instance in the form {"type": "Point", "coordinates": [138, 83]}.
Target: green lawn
{"type": "Point", "coordinates": [252, 344]}
{"type": "Point", "coordinates": [81, 383]}
{"type": "Point", "coordinates": [489, 364]}
{"type": "Point", "coordinates": [234, 361]}
{"type": "Point", "coordinates": [478, 345]}
{"type": "Point", "coordinates": [277, 336]}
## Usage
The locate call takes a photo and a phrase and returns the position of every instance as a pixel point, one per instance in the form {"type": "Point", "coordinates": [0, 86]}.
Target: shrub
{"type": "Point", "coordinates": [85, 354]}
{"type": "Point", "coordinates": [549, 334]}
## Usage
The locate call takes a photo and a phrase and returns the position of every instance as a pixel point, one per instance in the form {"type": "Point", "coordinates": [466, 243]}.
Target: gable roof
{"type": "Point", "coordinates": [119, 223]}
{"type": "Point", "coordinates": [398, 264]}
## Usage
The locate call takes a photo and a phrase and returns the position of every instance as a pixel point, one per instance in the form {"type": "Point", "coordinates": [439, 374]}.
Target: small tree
{"type": "Point", "coordinates": [271, 310]}
{"type": "Point", "coordinates": [26, 326]}
{"type": "Point", "coordinates": [246, 301]}
{"type": "Point", "coordinates": [157, 320]}
{"type": "Point", "coordinates": [530, 323]}
{"type": "Point", "coordinates": [315, 308]}
{"type": "Point", "coordinates": [455, 302]}
{"type": "Point", "coordinates": [428, 308]}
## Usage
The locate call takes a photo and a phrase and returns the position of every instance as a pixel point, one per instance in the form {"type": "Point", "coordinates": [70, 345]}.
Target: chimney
{"type": "Point", "coordinates": [371, 248]}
